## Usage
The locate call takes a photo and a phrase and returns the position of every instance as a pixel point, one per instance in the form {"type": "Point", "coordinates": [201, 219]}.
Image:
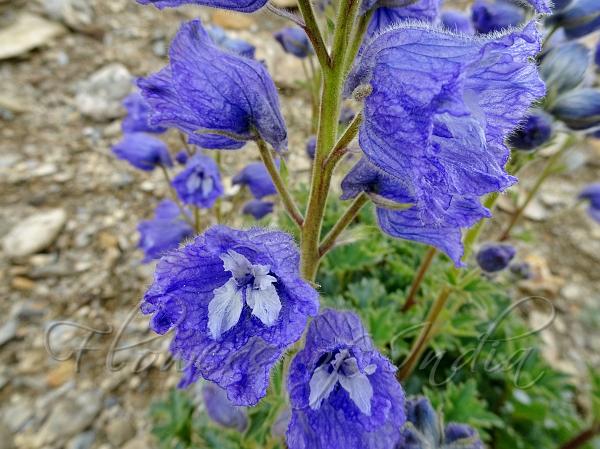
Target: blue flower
{"type": "Point", "coordinates": [597, 55]}
{"type": "Point", "coordinates": [294, 40]}
{"type": "Point", "coordinates": [257, 178]}
{"type": "Point", "coordinates": [424, 430]}
{"type": "Point", "coordinates": [205, 89]}
{"type": "Point", "coordinates": [221, 411]}
{"type": "Point", "coordinates": [137, 119]}
{"type": "Point", "coordinates": [143, 151]}
{"type": "Point", "coordinates": [563, 68]}
{"type": "Point", "coordinates": [495, 257]}
{"type": "Point", "coordinates": [200, 182]}
{"type": "Point", "coordinates": [384, 17]}
{"type": "Point", "coordinates": [311, 147]}
{"type": "Point", "coordinates": [237, 302]}
{"type": "Point", "coordinates": [258, 208]}
{"type": "Point", "coordinates": [438, 115]}
{"type": "Point", "coordinates": [578, 109]}
{"type": "Point", "coordinates": [457, 21]}
{"type": "Point", "coordinates": [234, 5]}
{"type": "Point", "coordinates": [182, 157]}
{"type": "Point", "coordinates": [439, 224]}
{"type": "Point", "coordinates": [578, 19]}
{"type": "Point", "coordinates": [542, 6]}
{"type": "Point", "coordinates": [164, 232]}
{"type": "Point", "coordinates": [534, 131]}
{"type": "Point", "coordinates": [592, 194]}
{"type": "Point", "coordinates": [343, 392]}
{"type": "Point", "coordinates": [489, 16]}
{"type": "Point", "coordinates": [239, 46]}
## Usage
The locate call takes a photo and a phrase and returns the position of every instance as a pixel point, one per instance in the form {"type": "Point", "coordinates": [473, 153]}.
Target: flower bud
{"type": "Point", "coordinates": [592, 194]}
{"type": "Point", "coordinates": [311, 147]}
{"type": "Point", "coordinates": [564, 67]}
{"type": "Point", "coordinates": [533, 132]}
{"type": "Point", "coordinates": [578, 109]}
{"type": "Point", "coordinates": [221, 410]}
{"type": "Point", "coordinates": [294, 41]}
{"type": "Point", "coordinates": [578, 19]}
{"type": "Point", "coordinates": [495, 16]}
{"type": "Point", "coordinates": [495, 257]}
{"type": "Point", "coordinates": [257, 208]}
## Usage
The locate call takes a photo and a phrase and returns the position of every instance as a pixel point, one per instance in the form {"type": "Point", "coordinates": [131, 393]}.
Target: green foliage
{"type": "Point", "coordinates": [483, 368]}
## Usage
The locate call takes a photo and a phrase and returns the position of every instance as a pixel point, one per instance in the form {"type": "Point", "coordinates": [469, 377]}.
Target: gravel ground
{"type": "Point", "coordinates": [78, 367]}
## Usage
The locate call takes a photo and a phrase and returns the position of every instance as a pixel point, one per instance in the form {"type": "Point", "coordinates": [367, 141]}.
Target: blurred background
{"type": "Point", "coordinates": [78, 368]}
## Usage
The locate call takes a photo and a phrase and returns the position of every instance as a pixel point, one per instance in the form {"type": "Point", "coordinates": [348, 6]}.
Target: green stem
{"type": "Point", "coordinates": [286, 198]}
{"type": "Point", "coordinates": [357, 39]}
{"type": "Point", "coordinates": [175, 197]}
{"type": "Point", "coordinates": [548, 170]}
{"type": "Point", "coordinates": [341, 147]}
{"type": "Point", "coordinates": [344, 221]}
{"type": "Point", "coordinates": [347, 12]}
{"type": "Point", "coordinates": [313, 32]}
{"type": "Point", "coordinates": [582, 438]}
{"type": "Point", "coordinates": [197, 226]}
{"type": "Point", "coordinates": [418, 279]}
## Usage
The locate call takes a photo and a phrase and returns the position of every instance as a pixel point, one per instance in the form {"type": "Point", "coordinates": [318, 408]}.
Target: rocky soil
{"type": "Point", "coordinates": [78, 368]}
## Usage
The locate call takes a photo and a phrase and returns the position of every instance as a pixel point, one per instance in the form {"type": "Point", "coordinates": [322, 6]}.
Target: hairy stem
{"type": "Point", "coordinates": [286, 198]}
{"type": "Point", "coordinates": [418, 279]}
{"type": "Point", "coordinates": [357, 39]}
{"type": "Point", "coordinates": [311, 27]}
{"type": "Point", "coordinates": [344, 221]}
{"type": "Point", "coordinates": [341, 147]}
{"type": "Point", "coordinates": [582, 438]}
{"type": "Point", "coordinates": [548, 170]}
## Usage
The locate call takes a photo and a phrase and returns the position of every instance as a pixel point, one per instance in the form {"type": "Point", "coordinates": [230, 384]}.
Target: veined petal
{"type": "Point", "coordinates": [225, 309]}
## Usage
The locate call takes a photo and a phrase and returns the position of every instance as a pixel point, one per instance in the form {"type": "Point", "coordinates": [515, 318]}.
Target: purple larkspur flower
{"type": "Point", "coordinates": [424, 430]}
{"type": "Point", "coordinates": [592, 194]}
{"type": "Point", "coordinates": [533, 132]}
{"type": "Point", "coordinates": [578, 19]}
{"type": "Point", "coordinates": [343, 392]}
{"type": "Point", "coordinates": [137, 118]}
{"type": "Point", "coordinates": [142, 151]}
{"type": "Point", "coordinates": [257, 178]}
{"type": "Point", "coordinates": [205, 88]}
{"type": "Point", "coordinates": [440, 227]}
{"type": "Point", "coordinates": [223, 40]}
{"type": "Point", "coordinates": [541, 6]}
{"type": "Point", "coordinates": [221, 410]}
{"type": "Point", "coordinates": [164, 232]}
{"type": "Point", "coordinates": [457, 21]}
{"type": "Point", "coordinates": [311, 147]}
{"type": "Point", "coordinates": [236, 301]}
{"type": "Point", "coordinates": [200, 182]}
{"type": "Point", "coordinates": [258, 208]}
{"type": "Point", "coordinates": [294, 41]}
{"type": "Point", "coordinates": [563, 67]}
{"type": "Point", "coordinates": [495, 15]}
{"type": "Point", "coordinates": [578, 109]}
{"type": "Point", "coordinates": [234, 5]}
{"type": "Point", "coordinates": [383, 18]}
{"type": "Point", "coordinates": [495, 257]}
{"type": "Point", "coordinates": [440, 110]}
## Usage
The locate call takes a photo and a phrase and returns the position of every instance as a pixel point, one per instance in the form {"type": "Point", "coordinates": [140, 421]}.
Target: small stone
{"type": "Point", "coordinates": [8, 331]}
{"type": "Point", "coordinates": [82, 441]}
{"type": "Point", "coordinates": [70, 416]}
{"type": "Point", "coordinates": [22, 283]}
{"type": "Point", "coordinates": [100, 97]}
{"type": "Point", "coordinates": [60, 374]}
{"type": "Point", "coordinates": [27, 32]}
{"type": "Point", "coordinates": [34, 234]}
{"type": "Point", "coordinates": [139, 443]}
{"type": "Point", "coordinates": [77, 14]}
{"type": "Point", "coordinates": [119, 431]}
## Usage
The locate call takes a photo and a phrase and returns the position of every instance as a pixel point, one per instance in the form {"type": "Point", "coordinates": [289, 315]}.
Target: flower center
{"type": "Point", "coordinates": [341, 367]}
{"type": "Point", "coordinates": [249, 284]}
{"type": "Point", "coordinates": [198, 182]}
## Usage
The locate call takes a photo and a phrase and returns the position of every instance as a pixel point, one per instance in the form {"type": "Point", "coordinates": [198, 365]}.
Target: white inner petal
{"type": "Point", "coordinates": [236, 263]}
{"type": "Point", "coordinates": [265, 303]}
{"type": "Point", "coordinates": [207, 186]}
{"type": "Point", "coordinates": [193, 182]}
{"type": "Point", "coordinates": [360, 390]}
{"type": "Point", "coordinates": [321, 385]}
{"type": "Point", "coordinates": [225, 309]}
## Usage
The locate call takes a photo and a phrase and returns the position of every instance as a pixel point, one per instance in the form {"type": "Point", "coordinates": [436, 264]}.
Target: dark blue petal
{"type": "Point", "coordinates": [592, 194]}
{"type": "Point", "coordinates": [205, 88]}
{"type": "Point", "coordinates": [257, 178]}
{"type": "Point", "coordinates": [234, 5]}
{"type": "Point", "coordinates": [563, 68]}
{"type": "Point", "coordinates": [142, 151]}
{"type": "Point", "coordinates": [338, 423]}
{"type": "Point", "coordinates": [294, 40]}
{"type": "Point", "coordinates": [384, 17]}
{"type": "Point", "coordinates": [240, 361]}
{"type": "Point", "coordinates": [495, 257]}
{"type": "Point", "coordinates": [496, 15]}
{"type": "Point", "coordinates": [200, 182]}
{"type": "Point", "coordinates": [311, 147]}
{"type": "Point", "coordinates": [457, 21]}
{"type": "Point", "coordinates": [258, 209]}
{"type": "Point", "coordinates": [238, 46]}
{"type": "Point", "coordinates": [220, 410]}
{"type": "Point", "coordinates": [534, 131]}
{"type": "Point", "coordinates": [578, 109]}
{"type": "Point", "coordinates": [137, 119]}
{"type": "Point", "coordinates": [578, 19]}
